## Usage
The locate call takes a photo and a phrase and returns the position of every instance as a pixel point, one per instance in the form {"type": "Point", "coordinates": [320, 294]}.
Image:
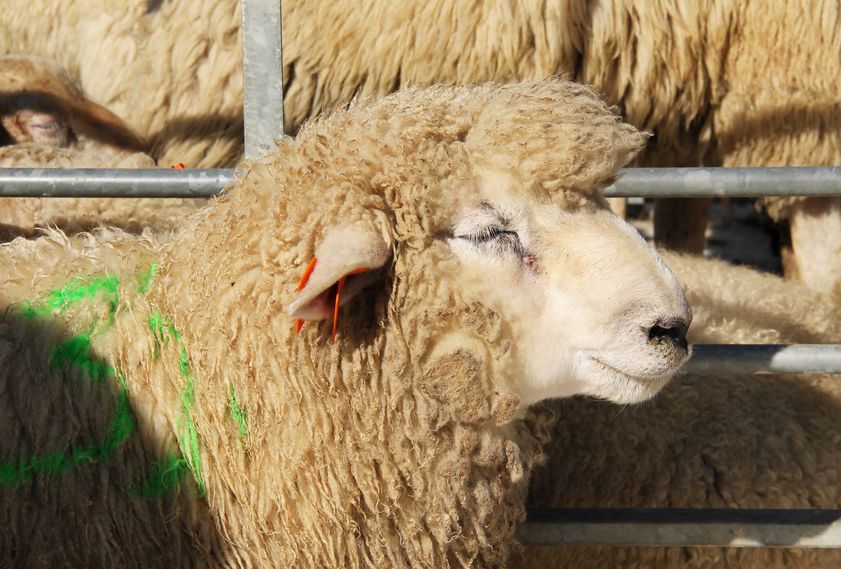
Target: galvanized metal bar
{"type": "Point", "coordinates": [84, 182]}
{"type": "Point", "coordinates": [723, 359]}
{"type": "Point", "coordinates": [262, 75]}
{"type": "Point", "coordinates": [647, 182]}
{"type": "Point", "coordinates": [727, 182]}
{"type": "Point", "coordinates": [683, 527]}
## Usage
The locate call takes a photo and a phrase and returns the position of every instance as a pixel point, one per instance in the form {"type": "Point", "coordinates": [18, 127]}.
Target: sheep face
{"type": "Point", "coordinates": [33, 92]}
{"type": "Point", "coordinates": [41, 127]}
{"type": "Point", "coordinates": [588, 307]}
{"type": "Point", "coordinates": [40, 103]}
{"type": "Point", "coordinates": [455, 260]}
{"type": "Point", "coordinates": [523, 268]}
{"type": "Point", "coordinates": [591, 307]}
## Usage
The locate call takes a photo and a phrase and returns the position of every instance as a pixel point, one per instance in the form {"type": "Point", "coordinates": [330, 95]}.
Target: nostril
{"type": "Point", "coordinates": [669, 329]}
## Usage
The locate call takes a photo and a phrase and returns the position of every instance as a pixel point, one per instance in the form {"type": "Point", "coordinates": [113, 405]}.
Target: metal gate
{"type": "Point", "coordinates": [263, 115]}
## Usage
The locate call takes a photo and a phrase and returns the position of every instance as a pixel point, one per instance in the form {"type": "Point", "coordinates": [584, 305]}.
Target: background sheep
{"type": "Point", "coordinates": [396, 445]}
{"type": "Point", "coordinates": [47, 121]}
{"type": "Point", "coordinates": [707, 442]}
{"type": "Point", "coordinates": [41, 103]}
{"type": "Point", "coordinates": [697, 75]}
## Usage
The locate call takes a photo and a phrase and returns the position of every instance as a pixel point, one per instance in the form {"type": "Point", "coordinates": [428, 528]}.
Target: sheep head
{"type": "Point", "coordinates": [494, 276]}
{"type": "Point", "coordinates": [509, 215]}
{"type": "Point", "coordinates": [40, 103]}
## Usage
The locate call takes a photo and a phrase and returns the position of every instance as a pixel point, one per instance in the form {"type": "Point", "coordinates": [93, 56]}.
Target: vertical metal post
{"type": "Point", "coordinates": [262, 62]}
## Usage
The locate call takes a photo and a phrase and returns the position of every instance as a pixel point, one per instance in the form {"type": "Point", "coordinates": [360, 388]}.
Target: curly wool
{"type": "Point", "coordinates": [706, 441]}
{"type": "Point", "coordinates": [99, 139]}
{"type": "Point", "coordinates": [695, 73]}
{"type": "Point", "coordinates": [21, 216]}
{"type": "Point", "coordinates": [371, 451]}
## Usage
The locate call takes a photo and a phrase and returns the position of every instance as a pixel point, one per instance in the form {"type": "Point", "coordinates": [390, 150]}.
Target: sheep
{"type": "Point", "coordinates": [25, 216]}
{"type": "Point", "coordinates": [455, 263]}
{"type": "Point", "coordinates": [47, 121]}
{"type": "Point", "coordinates": [694, 74]}
{"type": "Point", "coordinates": [41, 103]}
{"type": "Point", "coordinates": [705, 441]}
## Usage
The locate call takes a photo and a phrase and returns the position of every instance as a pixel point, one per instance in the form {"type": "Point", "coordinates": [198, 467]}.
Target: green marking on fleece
{"type": "Point", "coordinates": [13, 473]}
{"type": "Point", "coordinates": [76, 353]}
{"type": "Point", "coordinates": [240, 419]}
{"type": "Point", "coordinates": [144, 281]}
{"type": "Point", "coordinates": [166, 475]}
{"type": "Point", "coordinates": [74, 292]}
{"type": "Point", "coordinates": [163, 329]}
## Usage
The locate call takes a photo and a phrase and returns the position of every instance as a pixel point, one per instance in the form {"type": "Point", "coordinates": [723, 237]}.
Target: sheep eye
{"type": "Point", "coordinates": [491, 233]}
{"type": "Point", "coordinates": [51, 126]}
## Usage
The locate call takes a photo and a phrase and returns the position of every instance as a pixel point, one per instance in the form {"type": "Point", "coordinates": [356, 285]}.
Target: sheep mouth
{"type": "Point", "coordinates": [655, 378]}
{"type": "Point", "coordinates": [622, 387]}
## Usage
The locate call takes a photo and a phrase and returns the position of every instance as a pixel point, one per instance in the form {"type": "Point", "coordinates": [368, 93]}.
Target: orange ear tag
{"type": "Point", "coordinates": [301, 284]}
{"type": "Point", "coordinates": [178, 166]}
{"type": "Point", "coordinates": [338, 295]}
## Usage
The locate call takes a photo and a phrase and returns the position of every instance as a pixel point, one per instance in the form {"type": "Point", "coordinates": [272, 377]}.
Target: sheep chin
{"type": "Point", "coordinates": [617, 386]}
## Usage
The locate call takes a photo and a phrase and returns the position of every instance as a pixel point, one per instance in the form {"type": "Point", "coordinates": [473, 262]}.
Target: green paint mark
{"type": "Point", "coordinates": [144, 281]}
{"type": "Point", "coordinates": [121, 426]}
{"type": "Point", "coordinates": [12, 473]}
{"type": "Point", "coordinates": [164, 330]}
{"type": "Point", "coordinates": [165, 475]}
{"type": "Point", "coordinates": [57, 301]}
{"type": "Point", "coordinates": [75, 353]}
{"type": "Point", "coordinates": [240, 419]}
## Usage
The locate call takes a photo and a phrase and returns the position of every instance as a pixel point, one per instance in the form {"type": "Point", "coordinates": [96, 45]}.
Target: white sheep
{"type": "Point", "coordinates": [40, 103]}
{"type": "Point", "coordinates": [767, 441]}
{"type": "Point", "coordinates": [696, 74]}
{"type": "Point", "coordinates": [46, 120]}
{"type": "Point", "coordinates": [466, 266]}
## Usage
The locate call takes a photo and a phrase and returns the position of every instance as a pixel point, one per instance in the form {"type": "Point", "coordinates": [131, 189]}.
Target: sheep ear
{"type": "Point", "coordinates": [91, 120]}
{"type": "Point", "coordinates": [348, 256]}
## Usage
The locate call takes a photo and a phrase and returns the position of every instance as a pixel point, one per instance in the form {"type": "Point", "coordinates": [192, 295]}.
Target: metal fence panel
{"type": "Point", "coordinates": [644, 182]}
{"type": "Point", "coordinates": [683, 527]}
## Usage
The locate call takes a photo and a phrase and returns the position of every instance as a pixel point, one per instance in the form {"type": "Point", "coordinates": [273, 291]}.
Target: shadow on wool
{"type": "Point", "coordinates": [704, 442]}
{"type": "Point", "coordinates": [84, 119]}
{"type": "Point", "coordinates": [199, 127]}
{"type": "Point", "coordinates": [778, 125]}
{"type": "Point", "coordinates": [82, 482]}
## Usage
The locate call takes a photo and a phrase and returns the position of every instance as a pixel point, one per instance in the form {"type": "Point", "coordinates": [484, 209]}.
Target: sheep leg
{"type": "Point", "coordinates": [680, 223]}
{"type": "Point", "coordinates": [815, 255]}
{"type": "Point", "coordinates": [619, 206]}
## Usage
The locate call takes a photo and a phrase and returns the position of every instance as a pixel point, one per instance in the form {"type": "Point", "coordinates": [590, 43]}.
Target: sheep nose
{"type": "Point", "coordinates": [671, 330]}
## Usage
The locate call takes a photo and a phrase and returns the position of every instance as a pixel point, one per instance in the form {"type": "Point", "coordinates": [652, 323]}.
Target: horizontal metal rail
{"type": "Point", "coordinates": [683, 527]}
{"type": "Point", "coordinates": [641, 182]}
{"type": "Point", "coordinates": [727, 182]}
{"type": "Point", "coordinates": [725, 359]}
{"type": "Point", "coordinates": [125, 183]}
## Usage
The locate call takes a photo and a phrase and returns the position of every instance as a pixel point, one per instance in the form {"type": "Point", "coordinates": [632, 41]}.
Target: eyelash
{"type": "Point", "coordinates": [490, 234]}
